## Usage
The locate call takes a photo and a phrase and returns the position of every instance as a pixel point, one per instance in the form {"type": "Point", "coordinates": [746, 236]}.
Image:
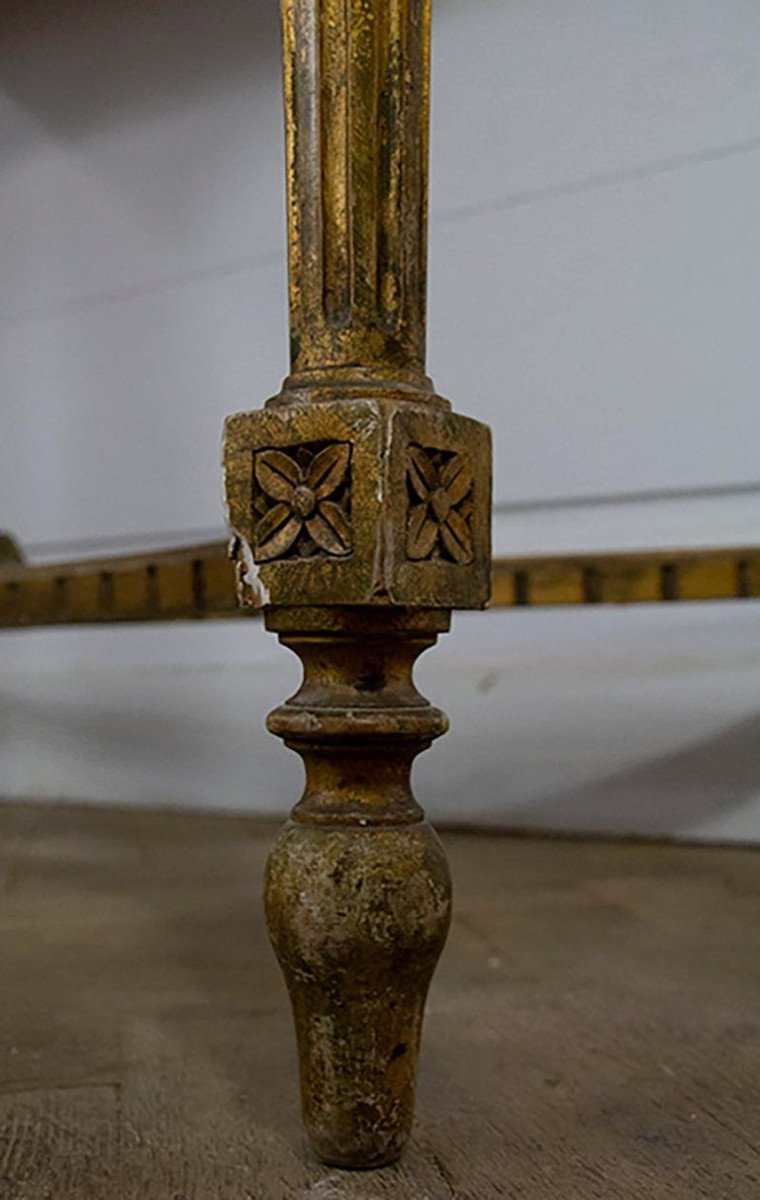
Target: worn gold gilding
{"type": "Point", "coordinates": [360, 506]}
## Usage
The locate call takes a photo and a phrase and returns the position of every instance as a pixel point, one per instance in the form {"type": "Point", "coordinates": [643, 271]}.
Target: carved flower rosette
{"type": "Point", "coordinates": [440, 510]}
{"type": "Point", "coordinates": [302, 502]}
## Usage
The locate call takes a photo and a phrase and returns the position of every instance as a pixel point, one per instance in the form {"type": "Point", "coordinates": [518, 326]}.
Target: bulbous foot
{"type": "Point", "coordinates": [358, 918]}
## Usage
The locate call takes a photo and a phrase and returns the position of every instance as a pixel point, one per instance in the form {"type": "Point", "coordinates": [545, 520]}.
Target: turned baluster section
{"type": "Point", "coordinates": [357, 891]}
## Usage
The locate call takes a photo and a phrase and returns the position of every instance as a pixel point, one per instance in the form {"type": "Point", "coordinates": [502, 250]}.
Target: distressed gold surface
{"type": "Point", "coordinates": [356, 103]}
{"type": "Point", "coordinates": [360, 509]}
{"type": "Point", "coordinates": [358, 924]}
{"type": "Point", "coordinates": [357, 892]}
{"type": "Point", "coordinates": [356, 99]}
{"type": "Point", "coordinates": [198, 582]}
{"type": "Point", "coordinates": [378, 569]}
{"type": "Point", "coordinates": [186, 584]}
{"type": "Point", "coordinates": [726, 573]}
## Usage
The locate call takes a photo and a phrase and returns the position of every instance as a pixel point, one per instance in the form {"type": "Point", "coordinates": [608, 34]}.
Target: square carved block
{"type": "Point", "coordinates": [362, 502]}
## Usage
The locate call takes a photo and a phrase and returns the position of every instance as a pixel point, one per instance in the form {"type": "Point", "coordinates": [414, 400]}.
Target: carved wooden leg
{"type": "Point", "coordinates": [361, 509]}
{"type": "Point", "coordinates": [358, 892]}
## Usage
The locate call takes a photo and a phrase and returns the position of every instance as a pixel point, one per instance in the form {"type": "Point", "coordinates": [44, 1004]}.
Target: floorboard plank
{"type": "Point", "coordinates": [593, 1029]}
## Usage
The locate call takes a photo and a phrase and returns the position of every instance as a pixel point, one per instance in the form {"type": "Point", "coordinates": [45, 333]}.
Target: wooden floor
{"type": "Point", "coordinates": [593, 1030]}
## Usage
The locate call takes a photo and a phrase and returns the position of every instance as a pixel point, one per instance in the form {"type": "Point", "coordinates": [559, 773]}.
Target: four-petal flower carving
{"type": "Point", "coordinates": [302, 500]}
{"type": "Point", "coordinates": [441, 483]}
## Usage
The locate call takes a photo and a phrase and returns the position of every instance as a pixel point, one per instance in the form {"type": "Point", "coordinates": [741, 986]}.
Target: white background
{"type": "Point", "coordinates": [594, 295]}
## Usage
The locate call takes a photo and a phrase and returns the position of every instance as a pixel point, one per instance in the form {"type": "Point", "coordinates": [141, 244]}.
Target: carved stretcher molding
{"type": "Point", "coordinates": [199, 583]}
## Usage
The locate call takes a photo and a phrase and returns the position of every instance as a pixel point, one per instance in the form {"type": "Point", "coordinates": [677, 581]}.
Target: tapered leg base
{"type": "Point", "coordinates": [358, 919]}
{"type": "Point", "coordinates": [358, 893]}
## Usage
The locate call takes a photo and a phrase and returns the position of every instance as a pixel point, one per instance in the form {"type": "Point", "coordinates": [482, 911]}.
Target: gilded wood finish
{"type": "Point", "coordinates": [356, 95]}
{"type": "Point", "coordinates": [360, 506]}
{"type": "Point", "coordinates": [199, 583]}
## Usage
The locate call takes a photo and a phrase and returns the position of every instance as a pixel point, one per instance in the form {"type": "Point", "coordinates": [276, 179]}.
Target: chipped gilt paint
{"type": "Point", "coordinates": [364, 503]}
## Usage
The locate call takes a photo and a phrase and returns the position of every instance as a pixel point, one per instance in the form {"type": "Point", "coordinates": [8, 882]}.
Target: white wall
{"type": "Point", "coordinates": [594, 295]}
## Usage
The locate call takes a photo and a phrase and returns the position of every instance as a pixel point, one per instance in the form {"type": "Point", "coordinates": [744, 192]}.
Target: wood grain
{"type": "Point", "coordinates": [593, 1030]}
